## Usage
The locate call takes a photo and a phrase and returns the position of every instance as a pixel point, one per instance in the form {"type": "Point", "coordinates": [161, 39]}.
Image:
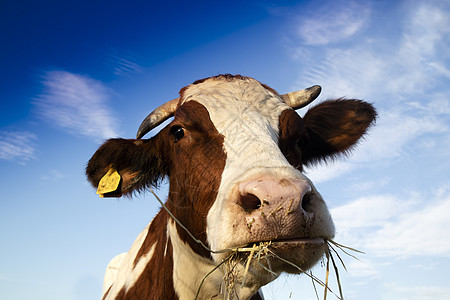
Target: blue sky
{"type": "Point", "coordinates": [74, 73]}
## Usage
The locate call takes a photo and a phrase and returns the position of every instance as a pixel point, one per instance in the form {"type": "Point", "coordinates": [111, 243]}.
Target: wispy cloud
{"type": "Point", "coordinates": [17, 146]}
{"type": "Point", "coordinates": [359, 269]}
{"type": "Point", "coordinates": [76, 103]}
{"type": "Point", "coordinates": [395, 290]}
{"type": "Point", "coordinates": [404, 74]}
{"type": "Point", "coordinates": [124, 66]}
{"type": "Point", "coordinates": [400, 63]}
{"type": "Point", "coordinates": [333, 22]}
{"type": "Point", "coordinates": [395, 129]}
{"type": "Point", "coordinates": [423, 51]}
{"type": "Point", "coordinates": [400, 227]}
{"type": "Point", "coordinates": [53, 175]}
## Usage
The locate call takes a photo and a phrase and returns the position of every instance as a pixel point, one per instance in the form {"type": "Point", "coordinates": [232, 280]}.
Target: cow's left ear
{"type": "Point", "coordinates": [334, 127]}
{"type": "Point", "coordinates": [121, 166]}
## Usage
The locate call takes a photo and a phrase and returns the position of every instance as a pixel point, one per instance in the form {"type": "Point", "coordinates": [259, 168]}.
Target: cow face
{"type": "Point", "coordinates": [234, 154]}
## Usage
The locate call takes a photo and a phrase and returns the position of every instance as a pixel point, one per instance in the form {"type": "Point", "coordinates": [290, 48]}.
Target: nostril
{"type": "Point", "coordinates": [249, 202]}
{"type": "Point", "coordinates": [306, 201]}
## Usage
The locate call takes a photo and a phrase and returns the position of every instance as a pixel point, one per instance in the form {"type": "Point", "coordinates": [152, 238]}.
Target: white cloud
{"type": "Point", "coordinates": [124, 66]}
{"type": "Point", "coordinates": [440, 69]}
{"type": "Point", "coordinates": [333, 22]}
{"type": "Point", "coordinates": [362, 268]}
{"type": "Point", "coordinates": [427, 29]}
{"type": "Point", "coordinates": [76, 103]}
{"type": "Point", "coordinates": [328, 171]}
{"type": "Point", "coordinates": [442, 189]}
{"type": "Point", "coordinates": [360, 186]}
{"type": "Point", "coordinates": [384, 75]}
{"type": "Point", "coordinates": [415, 292]}
{"type": "Point", "coordinates": [367, 212]}
{"type": "Point", "coordinates": [395, 129]}
{"type": "Point", "coordinates": [17, 146]}
{"type": "Point", "coordinates": [53, 175]}
{"type": "Point", "coordinates": [385, 225]}
{"type": "Point", "coordinates": [411, 60]}
{"type": "Point", "coordinates": [423, 51]}
{"type": "Point", "coordinates": [421, 231]}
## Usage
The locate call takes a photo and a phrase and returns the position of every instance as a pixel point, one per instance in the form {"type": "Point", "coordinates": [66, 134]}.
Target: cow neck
{"type": "Point", "coordinates": [166, 267]}
{"type": "Point", "coordinates": [147, 272]}
{"type": "Point", "coordinates": [195, 275]}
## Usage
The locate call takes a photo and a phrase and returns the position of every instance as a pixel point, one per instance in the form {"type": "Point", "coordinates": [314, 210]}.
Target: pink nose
{"type": "Point", "coordinates": [270, 195]}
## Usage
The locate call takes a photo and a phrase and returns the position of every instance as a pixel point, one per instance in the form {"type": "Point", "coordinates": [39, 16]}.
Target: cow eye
{"type": "Point", "coordinates": [178, 132]}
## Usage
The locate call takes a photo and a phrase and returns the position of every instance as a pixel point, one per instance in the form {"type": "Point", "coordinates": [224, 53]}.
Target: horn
{"type": "Point", "coordinates": [157, 116]}
{"type": "Point", "coordinates": [302, 98]}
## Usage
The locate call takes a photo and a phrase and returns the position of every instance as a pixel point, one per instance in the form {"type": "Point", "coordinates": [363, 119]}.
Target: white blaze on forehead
{"type": "Point", "coordinates": [247, 114]}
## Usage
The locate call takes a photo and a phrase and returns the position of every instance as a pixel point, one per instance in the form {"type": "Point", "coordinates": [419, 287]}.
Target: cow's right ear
{"type": "Point", "coordinates": [132, 165]}
{"type": "Point", "coordinates": [335, 126]}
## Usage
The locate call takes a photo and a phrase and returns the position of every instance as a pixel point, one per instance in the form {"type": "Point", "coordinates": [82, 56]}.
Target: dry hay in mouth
{"type": "Point", "coordinates": [261, 251]}
{"type": "Point", "coordinates": [230, 266]}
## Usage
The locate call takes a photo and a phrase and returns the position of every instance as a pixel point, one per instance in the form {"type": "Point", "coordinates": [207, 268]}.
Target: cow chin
{"type": "Point", "coordinates": [297, 255]}
{"type": "Point", "coordinates": [269, 259]}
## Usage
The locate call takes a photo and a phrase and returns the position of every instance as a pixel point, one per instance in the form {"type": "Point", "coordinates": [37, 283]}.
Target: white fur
{"type": "Point", "coordinates": [112, 270]}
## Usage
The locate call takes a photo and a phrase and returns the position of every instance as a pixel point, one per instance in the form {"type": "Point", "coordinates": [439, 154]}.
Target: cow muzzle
{"type": "Point", "coordinates": [286, 214]}
{"type": "Point", "coordinates": [277, 210]}
{"type": "Point", "coordinates": [269, 197]}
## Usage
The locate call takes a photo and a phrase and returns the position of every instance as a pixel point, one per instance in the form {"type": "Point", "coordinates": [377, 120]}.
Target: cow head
{"type": "Point", "coordinates": [234, 155]}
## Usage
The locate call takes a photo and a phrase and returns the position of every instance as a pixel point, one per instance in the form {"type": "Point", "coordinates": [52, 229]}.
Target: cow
{"type": "Point", "coordinates": [233, 156]}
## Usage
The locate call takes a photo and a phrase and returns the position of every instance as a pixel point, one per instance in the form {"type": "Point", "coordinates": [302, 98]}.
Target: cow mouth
{"type": "Point", "coordinates": [292, 255]}
{"type": "Point", "coordinates": [300, 241]}
{"type": "Point", "coordinates": [289, 243]}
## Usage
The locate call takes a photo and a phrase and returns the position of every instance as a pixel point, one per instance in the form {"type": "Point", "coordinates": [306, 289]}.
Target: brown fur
{"type": "Point", "coordinates": [196, 177]}
{"type": "Point", "coordinates": [334, 127]}
{"type": "Point", "coordinates": [155, 282]}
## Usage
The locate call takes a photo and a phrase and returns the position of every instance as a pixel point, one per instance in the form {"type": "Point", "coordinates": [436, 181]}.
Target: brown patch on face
{"type": "Point", "coordinates": [292, 137]}
{"type": "Point", "coordinates": [198, 160]}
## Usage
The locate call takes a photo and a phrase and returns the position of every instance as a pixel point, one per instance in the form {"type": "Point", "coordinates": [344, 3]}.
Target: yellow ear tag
{"type": "Point", "coordinates": [109, 183]}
